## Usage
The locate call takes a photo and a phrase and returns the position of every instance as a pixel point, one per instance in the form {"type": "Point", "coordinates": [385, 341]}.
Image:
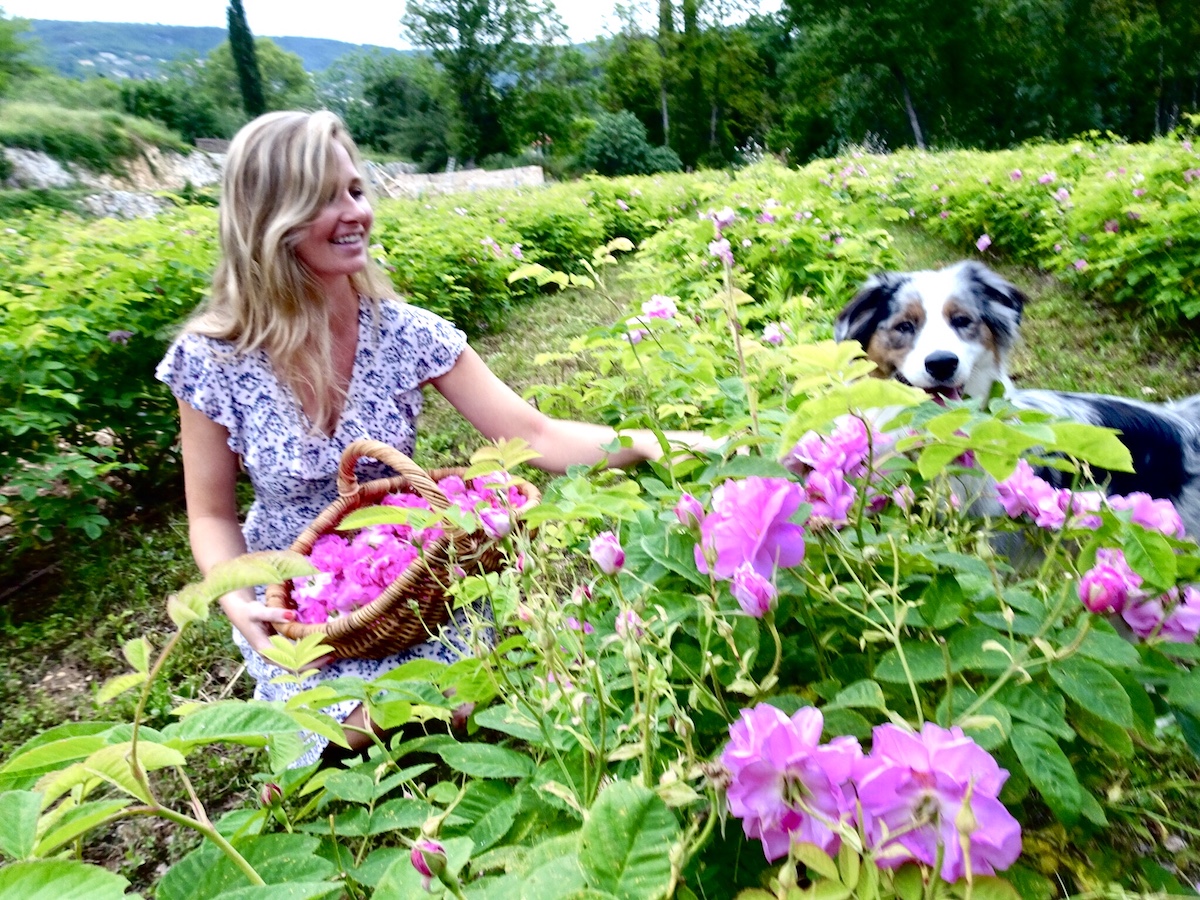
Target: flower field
{"type": "Point", "coordinates": [798, 668]}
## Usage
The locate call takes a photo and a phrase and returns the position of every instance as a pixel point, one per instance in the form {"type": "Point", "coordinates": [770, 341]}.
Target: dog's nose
{"type": "Point", "coordinates": [941, 365]}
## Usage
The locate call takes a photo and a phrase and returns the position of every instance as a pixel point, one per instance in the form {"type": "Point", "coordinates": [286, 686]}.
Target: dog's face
{"type": "Point", "coordinates": [947, 331]}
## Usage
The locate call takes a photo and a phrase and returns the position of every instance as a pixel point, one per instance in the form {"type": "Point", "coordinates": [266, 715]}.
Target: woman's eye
{"type": "Point", "coordinates": [905, 327]}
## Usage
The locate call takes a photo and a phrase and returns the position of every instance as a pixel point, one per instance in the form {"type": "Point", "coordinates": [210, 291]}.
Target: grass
{"type": "Point", "coordinates": [61, 633]}
{"type": "Point", "coordinates": [1075, 343]}
{"type": "Point", "coordinates": [101, 140]}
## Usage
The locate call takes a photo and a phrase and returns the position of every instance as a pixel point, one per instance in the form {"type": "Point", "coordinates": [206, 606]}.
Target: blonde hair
{"type": "Point", "coordinates": [280, 173]}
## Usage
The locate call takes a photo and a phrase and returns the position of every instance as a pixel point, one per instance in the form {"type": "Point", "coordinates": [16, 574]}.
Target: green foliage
{"type": "Point", "coordinates": [15, 51]}
{"type": "Point", "coordinates": [174, 105]}
{"type": "Point", "coordinates": [618, 146]}
{"type": "Point", "coordinates": [100, 140]}
{"type": "Point", "coordinates": [478, 44]}
{"type": "Point", "coordinates": [245, 60]}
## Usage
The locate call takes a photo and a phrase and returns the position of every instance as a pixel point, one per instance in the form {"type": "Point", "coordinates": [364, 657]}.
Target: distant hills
{"type": "Point", "coordinates": [129, 50]}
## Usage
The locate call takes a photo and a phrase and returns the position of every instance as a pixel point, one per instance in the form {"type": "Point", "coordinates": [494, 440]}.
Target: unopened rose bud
{"type": "Point", "coordinates": [271, 795]}
{"type": "Point", "coordinates": [688, 511]}
{"type": "Point", "coordinates": [429, 859]}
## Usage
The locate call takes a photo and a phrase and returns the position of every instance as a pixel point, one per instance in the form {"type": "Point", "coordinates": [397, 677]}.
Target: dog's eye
{"type": "Point", "coordinates": [905, 327]}
{"type": "Point", "coordinates": [960, 321]}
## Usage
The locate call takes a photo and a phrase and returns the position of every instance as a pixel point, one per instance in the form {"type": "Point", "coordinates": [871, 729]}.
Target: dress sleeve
{"type": "Point", "coordinates": [424, 344]}
{"type": "Point", "coordinates": [196, 374]}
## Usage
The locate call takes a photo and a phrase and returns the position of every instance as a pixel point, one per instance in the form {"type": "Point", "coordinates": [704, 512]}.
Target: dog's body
{"type": "Point", "coordinates": [950, 331]}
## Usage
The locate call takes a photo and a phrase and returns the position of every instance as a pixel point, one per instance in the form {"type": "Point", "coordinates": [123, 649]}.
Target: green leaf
{"type": "Point", "coordinates": [1110, 648]}
{"type": "Point", "coordinates": [1092, 444]}
{"type": "Point", "coordinates": [296, 890]}
{"type": "Point", "coordinates": [863, 694]}
{"type": "Point", "coordinates": [624, 842]}
{"type": "Point", "coordinates": [19, 811]}
{"type": "Point", "coordinates": [986, 887]}
{"type": "Point", "coordinates": [252, 569]}
{"type": "Point", "coordinates": [61, 879]}
{"type": "Point", "coordinates": [486, 761]}
{"type": "Point", "coordinates": [1039, 705]}
{"type": "Point", "coordinates": [233, 721]}
{"type": "Point", "coordinates": [118, 685]}
{"type": "Point", "coordinates": [279, 859]}
{"type": "Point", "coordinates": [942, 601]}
{"type": "Point", "coordinates": [77, 821]}
{"type": "Point", "coordinates": [137, 654]}
{"type": "Point", "coordinates": [1150, 555]}
{"type": "Point", "coordinates": [1049, 771]}
{"type": "Point", "coordinates": [816, 859]}
{"type": "Point", "coordinates": [1102, 734]}
{"type": "Point", "coordinates": [1094, 688]}
{"type": "Point", "coordinates": [925, 662]}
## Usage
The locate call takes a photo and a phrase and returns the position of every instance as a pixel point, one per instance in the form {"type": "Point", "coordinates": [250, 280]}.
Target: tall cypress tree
{"type": "Point", "coordinates": [241, 42]}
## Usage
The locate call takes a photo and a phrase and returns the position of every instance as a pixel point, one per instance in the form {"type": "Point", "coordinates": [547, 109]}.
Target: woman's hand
{"type": "Point", "coordinates": [256, 623]}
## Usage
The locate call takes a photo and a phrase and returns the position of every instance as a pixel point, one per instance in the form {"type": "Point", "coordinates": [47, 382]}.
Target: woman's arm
{"type": "Point", "coordinates": [497, 411]}
{"type": "Point", "coordinates": [209, 478]}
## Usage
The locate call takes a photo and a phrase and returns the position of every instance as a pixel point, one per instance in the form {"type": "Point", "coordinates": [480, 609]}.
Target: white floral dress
{"type": "Point", "coordinates": [293, 470]}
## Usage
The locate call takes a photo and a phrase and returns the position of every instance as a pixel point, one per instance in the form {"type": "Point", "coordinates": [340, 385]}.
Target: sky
{"type": "Point", "coordinates": [366, 22]}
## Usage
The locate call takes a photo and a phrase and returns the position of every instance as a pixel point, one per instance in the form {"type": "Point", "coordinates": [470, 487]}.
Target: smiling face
{"type": "Point", "coordinates": [333, 246]}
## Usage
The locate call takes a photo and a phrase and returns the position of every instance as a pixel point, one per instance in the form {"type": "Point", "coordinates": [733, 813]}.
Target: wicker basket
{"type": "Point", "coordinates": [413, 606]}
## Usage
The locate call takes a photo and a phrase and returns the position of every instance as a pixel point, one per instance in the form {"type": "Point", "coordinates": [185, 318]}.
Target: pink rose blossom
{"type": "Point", "coordinates": [983, 243]}
{"type": "Point", "coordinates": [607, 553]}
{"type": "Point", "coordinates": [749, 523]}
{"type": "Point", "coordinates": [659, 307]}
{"type": "Point", "coordinates": [928, 789]}
{"type": "Point", "coordinates": [1152, 514]}
{"type": "Point", "coordinates": [784, 785]}
{"type": "Point", "coordinates": [722, 251]}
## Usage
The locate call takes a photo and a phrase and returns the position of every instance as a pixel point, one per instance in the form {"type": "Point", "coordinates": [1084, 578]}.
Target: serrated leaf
{"type": "Point", "coordinates": [188, 606]}
{"type": "Point", "coordinates": [253, 569]}
{"type": "Point", "coordinates": [486, 760]}
{"type": "Point", "coordinates": [623, 842]}
{"type": "Point", "coordinates": [1150, 555]}
{"type": "Point", "coordinates": [1092, 444]}
{"type": "Point", "coordinates": [61, 879]}
{"type": "Point", "coordinates": [137, 654]}
{"type": "Point", "coordinates": [1094, 688]}
{"type": "Point", "coordinates": [1049, 771]}
{"type": "Point", "coordinates": [925, 663]}
{"type": "Point", "coordinates": [77, 821]}
{"type": "Point", "coordinates": [865, 694]}
{"type": "Point", "coordinates": [19, 811]}
{"type": "Point", "coordinates": [119, 684]}
{"type": "Point", "coordinates": [816, 859]}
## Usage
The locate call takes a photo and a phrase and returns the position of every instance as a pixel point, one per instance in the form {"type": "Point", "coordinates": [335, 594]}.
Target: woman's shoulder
{"type": "Point", "coordinates": [407, 322]}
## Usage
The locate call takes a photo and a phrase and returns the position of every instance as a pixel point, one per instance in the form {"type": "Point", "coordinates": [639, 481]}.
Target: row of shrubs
{"type": "Point", "coordinates": [1118, 220]}
{"type": "Point", "coordinates": [90, 305]}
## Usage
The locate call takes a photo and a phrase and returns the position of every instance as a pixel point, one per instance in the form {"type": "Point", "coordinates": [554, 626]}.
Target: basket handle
{"type": "Point", "coordinates": [418, 479]}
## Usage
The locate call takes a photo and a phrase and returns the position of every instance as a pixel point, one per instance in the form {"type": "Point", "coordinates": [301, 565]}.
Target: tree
{"type": "Point", "coordinates": [481, 44]}
{"type": "Point", "coordinates": [14, 51]}
{"type": "Point", "coordinates": [283, 82]}
{"type": "Point", "coordinates": [245, 60]}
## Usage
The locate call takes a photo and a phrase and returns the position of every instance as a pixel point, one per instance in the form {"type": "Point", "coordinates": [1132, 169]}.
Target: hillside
{"type": "Point", "coordinates": [128, 50]}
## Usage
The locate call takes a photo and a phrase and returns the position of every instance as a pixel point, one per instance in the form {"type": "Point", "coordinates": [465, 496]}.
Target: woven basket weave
{"type": "Point", "coordinates": [413, 606]}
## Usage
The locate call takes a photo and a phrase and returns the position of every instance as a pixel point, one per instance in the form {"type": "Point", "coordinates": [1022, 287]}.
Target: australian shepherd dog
{"type": "Point", "coordinates": [950, 331]}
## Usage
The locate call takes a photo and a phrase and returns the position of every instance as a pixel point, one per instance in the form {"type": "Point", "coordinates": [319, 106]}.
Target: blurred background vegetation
{"type": "Point", "coordinates": [684, 83]}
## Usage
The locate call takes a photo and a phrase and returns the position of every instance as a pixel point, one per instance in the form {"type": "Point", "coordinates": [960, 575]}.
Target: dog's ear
{"type": "Point", "coordinates": [862, 315]}
{"type": "Point", "coordinates": [1003, 302]}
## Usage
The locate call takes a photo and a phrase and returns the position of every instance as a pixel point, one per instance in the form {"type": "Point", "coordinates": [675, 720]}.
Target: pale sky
{"type": "Point", "coordinates": [365, 22]}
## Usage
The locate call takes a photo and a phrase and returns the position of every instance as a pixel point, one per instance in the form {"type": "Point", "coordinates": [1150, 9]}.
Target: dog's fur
{"type": "Point", "coordinates": [950, 332]}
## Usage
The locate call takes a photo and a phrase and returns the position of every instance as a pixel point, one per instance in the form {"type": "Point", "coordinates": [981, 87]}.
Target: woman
{"type": "Point", "coordinates": [301, 349]}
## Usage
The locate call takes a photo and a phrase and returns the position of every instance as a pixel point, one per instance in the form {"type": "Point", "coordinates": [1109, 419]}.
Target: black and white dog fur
{"type": "Point", "coordinates": [950, 332]}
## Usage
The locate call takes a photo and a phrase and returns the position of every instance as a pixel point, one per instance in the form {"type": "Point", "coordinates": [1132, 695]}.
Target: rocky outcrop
{"type": "Point", "coordinates": [131, 194]}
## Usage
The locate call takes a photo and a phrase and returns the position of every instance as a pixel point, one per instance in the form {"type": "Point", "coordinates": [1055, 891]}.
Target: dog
{"type": "Point", "coordinates": [950, 333]}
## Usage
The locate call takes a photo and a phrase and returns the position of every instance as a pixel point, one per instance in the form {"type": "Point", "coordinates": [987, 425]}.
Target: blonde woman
{"type": "Point", "coordinates": [303, 348]}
